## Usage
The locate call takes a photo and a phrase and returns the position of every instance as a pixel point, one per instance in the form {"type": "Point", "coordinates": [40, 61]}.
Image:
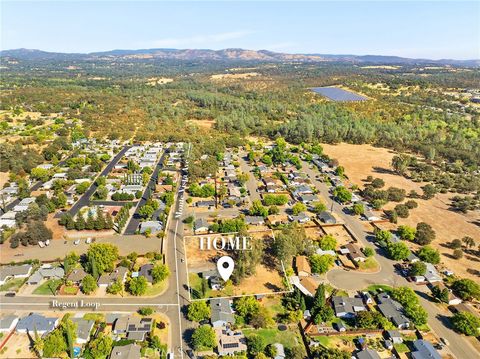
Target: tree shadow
{"type": "Point", "coordinates": [187, 335]}
{"type": "Point", "coordinates": [383, 170]}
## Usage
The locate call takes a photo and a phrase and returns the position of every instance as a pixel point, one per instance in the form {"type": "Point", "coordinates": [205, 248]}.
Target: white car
{"type": "Point", "coordinates": [76, 242]}
{"type": "Point", "coordinates": [89, 240]}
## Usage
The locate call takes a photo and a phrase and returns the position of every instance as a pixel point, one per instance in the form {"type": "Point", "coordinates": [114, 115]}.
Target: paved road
{"type": "Point", "coordinates": [350, 280]}
{"type": "Point", "coordinates": [134, 222]}
{"type": "Point", "coordinates": [252, 181]}
{"type": "Point", "coordinates": [85, 199]}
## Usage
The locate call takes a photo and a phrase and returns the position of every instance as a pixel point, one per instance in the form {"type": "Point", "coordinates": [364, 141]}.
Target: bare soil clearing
{"type": "Point", "coordinates": [361, 161]}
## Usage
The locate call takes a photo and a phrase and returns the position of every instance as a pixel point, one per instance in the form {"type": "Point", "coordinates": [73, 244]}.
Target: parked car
{"type": "Point", "coordinates": [89, 240]}
{"type": "Point", "coordinates": [10, 294]}
{"type": "Point", "coordinates": [191, 354]}
{"type": "Point", "coordinates": [444, 341]}
{"type": "Point", "coordinates": [76, 242]}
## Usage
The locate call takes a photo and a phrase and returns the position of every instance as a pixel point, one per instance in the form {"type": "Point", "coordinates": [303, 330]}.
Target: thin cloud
{"type": "Point", "coordinates": [199, 40]}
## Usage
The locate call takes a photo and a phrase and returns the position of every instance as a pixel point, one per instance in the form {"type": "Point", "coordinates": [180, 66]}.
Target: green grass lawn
{"type": "Point", "coordinates": [12, 285]}
{"type": "Point", "coordinates": [94, 316]}
{"type": "Point", "coordinates": [289, 338]}
{"type": "Point", "coordinates": [375, 288]}
{"type": "Point", "coordinates": [370, 263]}
{"type": "Point", "coordinates": [196, 288]}
{"type": "Point", "coordinates": [401, 348]}
{"type": "Point", "coordinates": [47, 287]}
{"type": "Point", "coordinates": [157, 288]}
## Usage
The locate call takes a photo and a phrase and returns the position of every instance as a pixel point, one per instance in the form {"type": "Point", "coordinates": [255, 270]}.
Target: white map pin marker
{"type": "Point", "coordinates": [225, 267]}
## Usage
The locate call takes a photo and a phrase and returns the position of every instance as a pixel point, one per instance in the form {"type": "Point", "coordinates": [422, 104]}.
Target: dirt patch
{"type": "Point", "coordinates": [361, 161]}
{"type": "Point", "coordinates": [17, 346]}
{"type": "Point", "coordinates": [3, 178]}
{"type": "Point", "coordinates": [243, 76]}
{"type": "Point", "coordinates": [266, 279]}
{"type": "Point", "coordinates": [340, 234]}
{"type": "Point", "coordinates": [208, 124]}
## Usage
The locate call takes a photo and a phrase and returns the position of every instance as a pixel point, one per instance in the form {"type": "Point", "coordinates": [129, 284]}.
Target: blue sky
{"type": "Point", "coordinates": [433, 30]}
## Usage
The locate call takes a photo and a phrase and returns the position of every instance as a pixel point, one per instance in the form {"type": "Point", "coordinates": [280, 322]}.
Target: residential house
{"type": "Point", "coordinates": [452, 299]}
{"type": "Point", "coordinates": [201, 226]}
{"type": "Point", "coordinates": [394, 336]}
{"type": "Point", "coordinates": [308, 198]}
{"type": "Point", "coordinates": [301, 190]}
{"type": "Point", "coordinates": [254, 220]}
{"type": "Point", "coordinates": [424, 350]}
{"type": "Point", "coordinates": [214, 281]}
{"type": "Point", "coordinates": [308, 286]}
{"type": "Point", "coordinates": [303, 266]}
{"type": "Point", "coordinates": [302, 217]}
{"type": "Point", "coordinates": [277, 219]}
{"type": "Point", "coordinates": [14, 272]}
{"type": "Point", "coordinates": [369, 215]}
{"type": "Point", "coordinates": [134, 328]}
{"type": "Point", "coordinates": [367, 354]}
{"type": "Point", "coordinates": [431, 274]}
{"type": "Point", "coordinates": [353, 252]}
{"type": "Point", "coordinates": [8, 323]}
{"type": "Point", "coordinates": [146, 271]}
{"type": "Point", "coordinates": [347, 307]}
{"type": "Point", "coordinates": [152, 226]}
{"type": "Point", "coordinates": [230, 342]}
{"type": "Point", "coordinates": [412, 258]}
{"type": "Point", "coordinates": [327, 217]}
{"type": "Point", "coordinates": [119, 273]}
{"type": "Point", "coordinates": [329, 252]}
{"type": "Point", "coordinates": [46, 271]}
{"type": "Point", "coordinates": [129, 351]}
{"type": "Point", "coordinates": [76, 276]}
{"type": "Point", "coordinates": [221, 312]}
{"type": "Point", "coordinates": [37, 322]}
{"type": "Point", "coordinates": [205, 204]}
{"type": "Point", "coordinates": [393, 311]}
{"type": "Point", "coordinates": [84, 329]}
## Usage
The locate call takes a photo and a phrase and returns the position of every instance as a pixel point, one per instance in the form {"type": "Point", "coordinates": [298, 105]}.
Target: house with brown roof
{"type": "Point", "coordinates": [354, 253]}
{"type": "Point", "coordinates": [230, 342]}
{"type": "Point", "coordinates": [76, 275]}
{"type": "Point", "coordinates": [310, 285]}
{"type": "Point", "coordinates": [119, 274]}
{"type": "Point", "coordinates": [303, 267]}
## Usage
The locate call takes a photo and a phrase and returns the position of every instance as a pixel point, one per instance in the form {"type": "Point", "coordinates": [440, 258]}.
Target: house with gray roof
{"type": "Point", "coordinates": [201, 226]}
{"type": "Point", "coordinates": [327, 217]}
{"type": "Point", "coordinates": [130, 351]}
{"type": "Point", "coordinates": [133, 327]}
{"type": "Point", "coordinates": [8, 323]}
{"type": "Point", "coordinates": [367, 354]}
{"type": "Point", "coordinates": [347, 307]}
{"type": "Point", "coordinates": [14, 272]}
{"type": "Point", "coordinates": [424, 350]}
{"type": "Point", "coordinates": [119, 273]}
{"type": "Point", "coordinates": [221, 312]}
{"type": "Point", "coordinates": [254, 220]}
{"type": "Point", "coordinates": [84, 329]}
{"type": "Point", "coordinates": [393, 311]}
{"type": "Point", "coordinates": [77, 275]}
{"type": "Point", "coordinates": [37, 322]}
{"type": "Point", "coordinates": [152, 226]}
{"type": "Point", "coordinates": [46, 272]}
{"type": "Point", "coordinates": [146, 271]}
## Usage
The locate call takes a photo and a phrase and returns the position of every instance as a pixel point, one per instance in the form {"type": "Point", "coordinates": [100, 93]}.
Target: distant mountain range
{"type": "Point", "coordinates": [225, 55]}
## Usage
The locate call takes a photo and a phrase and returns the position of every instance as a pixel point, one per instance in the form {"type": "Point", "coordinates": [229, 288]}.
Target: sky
{"type": "Point", "coordinates": [420, 29]}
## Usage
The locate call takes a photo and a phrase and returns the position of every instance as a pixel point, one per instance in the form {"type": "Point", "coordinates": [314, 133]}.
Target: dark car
{"type": "Point", "coordinates": [191, 354]}
{"type": "Point", "coordinates": [10, 294]}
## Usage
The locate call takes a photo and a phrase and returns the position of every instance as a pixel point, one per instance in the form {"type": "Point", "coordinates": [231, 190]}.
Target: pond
{"type": "Point", "coordinates": [338, 94]}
